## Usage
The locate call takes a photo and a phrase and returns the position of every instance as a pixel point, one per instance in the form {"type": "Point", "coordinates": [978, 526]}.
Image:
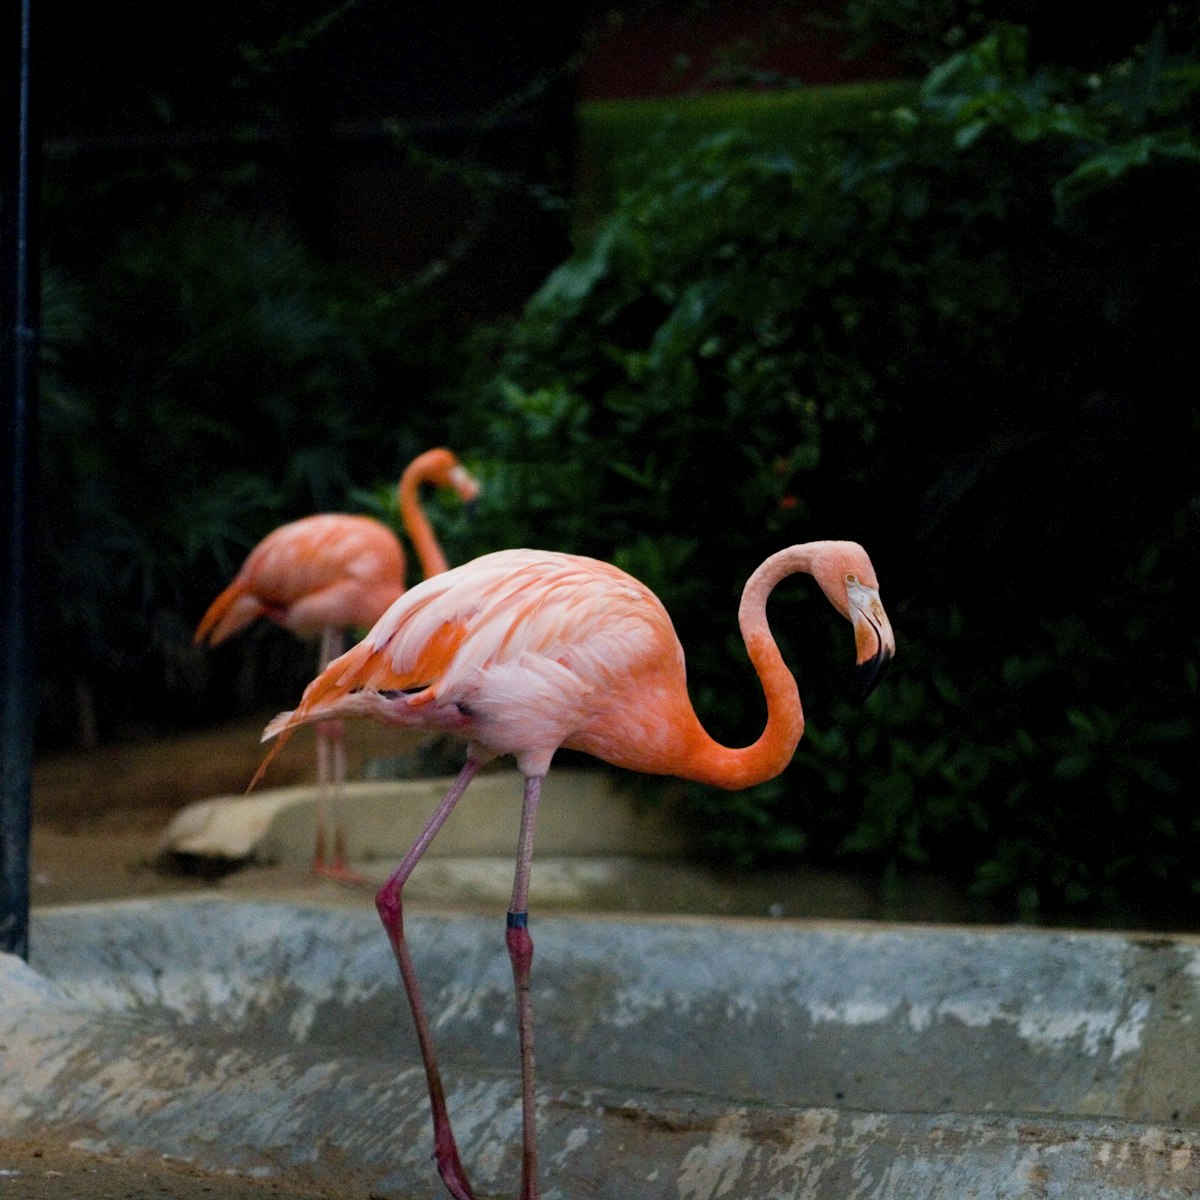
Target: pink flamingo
{"type": "Point", "coordinates": [322, 575]}
{"type": "Point", "coordinates": [523, 651]}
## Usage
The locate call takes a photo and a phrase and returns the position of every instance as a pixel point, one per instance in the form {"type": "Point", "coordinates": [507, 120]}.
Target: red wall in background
{"type": "Point", "coordinates": [662, 50]}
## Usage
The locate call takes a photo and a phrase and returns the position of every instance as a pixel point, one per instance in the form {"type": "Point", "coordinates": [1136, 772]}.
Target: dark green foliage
{"type": "Point", "coordinates": [621, 141]}
{"type": "Point", "coordinates": [958, 338]}
{"type": "Point", "coordinates": [920, 33]}
{"type": "Point", "coordinates": [206, 383]}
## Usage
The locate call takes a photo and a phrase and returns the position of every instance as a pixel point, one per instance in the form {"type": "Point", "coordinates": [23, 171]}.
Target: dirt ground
{"type": "Point", "coordinates": [98, 818]}
{"type": "Point", "coordinates": [99, 815]}
{"type": "Point", "coordinates": [46, 1170]}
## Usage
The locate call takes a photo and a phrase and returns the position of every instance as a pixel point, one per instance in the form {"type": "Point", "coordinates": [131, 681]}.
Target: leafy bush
{"type": "Point", "coordinates": [621, 141]}
{"type": "Point", "coordinates": [921, 33]}
{"type": "Point", "coordinates": [956, 338]}
{"type": "Point", "coordinates": [202, 384]}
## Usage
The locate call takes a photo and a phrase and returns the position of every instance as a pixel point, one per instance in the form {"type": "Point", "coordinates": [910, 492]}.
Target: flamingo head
{"type": "Point", "coordinates": [848, 580]}
{"type": "Point", "coordinates": [450, 473]}
{"type": "Point", "coordinates": [441, 468]}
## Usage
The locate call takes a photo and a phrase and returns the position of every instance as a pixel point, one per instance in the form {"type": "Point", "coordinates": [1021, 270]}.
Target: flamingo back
{"type": "Point", "coordinates": [519, 603]}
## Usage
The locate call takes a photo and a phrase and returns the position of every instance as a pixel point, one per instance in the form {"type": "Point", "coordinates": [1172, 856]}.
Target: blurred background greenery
{"type": "Point", "coordinates": [942, 300]}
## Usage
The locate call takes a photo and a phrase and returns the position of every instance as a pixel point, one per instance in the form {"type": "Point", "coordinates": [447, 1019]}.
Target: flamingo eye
{"type": "Point", "coordinates": [851, 578]}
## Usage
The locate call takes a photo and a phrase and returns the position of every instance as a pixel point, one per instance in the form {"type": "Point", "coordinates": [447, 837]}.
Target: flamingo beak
{"type": "Point", "coordinates": [873, 639]}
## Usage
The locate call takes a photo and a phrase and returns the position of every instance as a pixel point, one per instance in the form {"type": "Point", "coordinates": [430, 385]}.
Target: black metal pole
{"type": "Point", "coordinates": [19, 283]}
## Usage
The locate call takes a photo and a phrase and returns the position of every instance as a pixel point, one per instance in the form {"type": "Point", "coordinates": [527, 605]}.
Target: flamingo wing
{"type": "Point", "coordinates": [510, 607]}
{"type": "Point", "coordinates": [516, 650]}
{"type": "Point", "coordinates": [329, 570]}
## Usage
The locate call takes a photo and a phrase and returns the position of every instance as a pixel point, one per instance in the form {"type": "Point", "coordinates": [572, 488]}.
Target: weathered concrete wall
{"type": "Point", "coordinates": [682, 1059]}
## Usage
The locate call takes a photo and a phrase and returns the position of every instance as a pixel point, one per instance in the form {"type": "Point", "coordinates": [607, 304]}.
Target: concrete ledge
{"type": "Point", "coordinates": [680, 1059]}
{"type": "Point", "coordinates": [581, 813]}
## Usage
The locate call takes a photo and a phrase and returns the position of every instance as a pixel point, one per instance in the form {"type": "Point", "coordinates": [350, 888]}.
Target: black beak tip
{"type": "Point", "coordinates": [868, 674]}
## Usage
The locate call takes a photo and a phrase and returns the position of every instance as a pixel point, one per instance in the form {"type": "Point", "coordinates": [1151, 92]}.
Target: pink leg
{"type": "Point", "coordinates": [391, 913]}
{"type": "Point", "coordinates": [331, 766]}
{"type": "Point", "coordinates": [319, 848]}
{"type": "Point", "coordinates": [338, 746]}
{"type": "Point", "coordinates": [520, 952]}
{"type": "Point", "coordinates": [331, 775]}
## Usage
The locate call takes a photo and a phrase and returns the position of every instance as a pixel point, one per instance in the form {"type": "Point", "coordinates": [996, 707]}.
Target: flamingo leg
{"type": "Point", "coordinates": [338, 746]}
{"type": "Point", "coordinates": [331, 776]}
{"type": "Point", "coordinates": [520, 953]}
{"type": "Point", "coordinates": [319, 848]}
{"type": "Point", "coordinates": [388, 904]}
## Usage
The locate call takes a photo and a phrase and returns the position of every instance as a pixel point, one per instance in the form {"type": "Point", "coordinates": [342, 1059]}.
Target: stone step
{"type": "Point", "coordinates": [581, 813]}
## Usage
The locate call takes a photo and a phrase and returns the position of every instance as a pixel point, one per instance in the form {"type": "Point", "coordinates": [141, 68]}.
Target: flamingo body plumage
{"type": "Point", "coordinates": [329, 570]}
{"type": "Point", "coordinates": [518, 652]}
{"type": "Point", "coordinates": [524, 651]}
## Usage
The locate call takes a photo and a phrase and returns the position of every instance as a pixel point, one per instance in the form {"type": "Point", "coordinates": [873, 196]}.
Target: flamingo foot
{"type": "Point", "coordinates": [339, 872]}
{"type": "Point", "coordinates": [337, 869]}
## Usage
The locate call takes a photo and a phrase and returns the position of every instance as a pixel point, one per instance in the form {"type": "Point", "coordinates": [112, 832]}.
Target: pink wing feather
{"type": "Point", "coordinates": [332, 569]}
{"type": "Point", "coordinates": [512, 650]}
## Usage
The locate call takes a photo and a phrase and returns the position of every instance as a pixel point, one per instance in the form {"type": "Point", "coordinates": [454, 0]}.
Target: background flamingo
{"type": "Point", "coordinates": [523, 651]}
{"type": "Point", "coordinates": [322, 575]}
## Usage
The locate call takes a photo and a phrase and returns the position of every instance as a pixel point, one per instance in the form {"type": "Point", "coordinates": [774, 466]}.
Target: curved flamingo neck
{"type": "Point", "coordinates": [722, 766]}
{"type": "Point", "coordinates": [423, 469]}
